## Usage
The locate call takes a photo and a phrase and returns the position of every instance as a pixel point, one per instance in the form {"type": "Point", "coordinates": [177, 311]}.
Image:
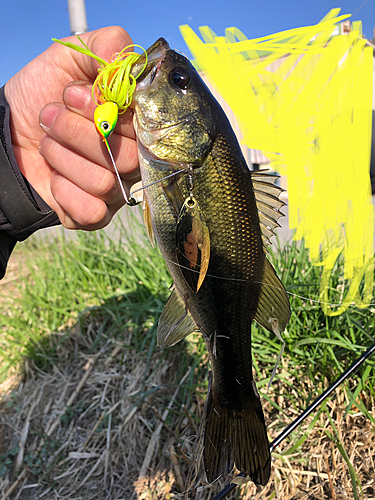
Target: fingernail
{"type": "Point", "coordinates": [77, 96]}
{"type": "Point", "coordinates": [48, 115]}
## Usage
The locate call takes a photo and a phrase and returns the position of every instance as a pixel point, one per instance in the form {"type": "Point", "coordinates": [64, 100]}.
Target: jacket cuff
{"type": "Point", "coordinates": [22, 210]}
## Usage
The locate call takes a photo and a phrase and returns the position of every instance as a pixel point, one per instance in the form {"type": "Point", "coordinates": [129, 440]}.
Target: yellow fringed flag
{"type": "Point", "coordinates": [304, 98]}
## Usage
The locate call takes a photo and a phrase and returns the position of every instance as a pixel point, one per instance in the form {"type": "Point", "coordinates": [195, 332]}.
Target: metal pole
{"type": "Point", "coordinates": [77, 16]}
{"type": "Point", "coordinates": [230, 487]}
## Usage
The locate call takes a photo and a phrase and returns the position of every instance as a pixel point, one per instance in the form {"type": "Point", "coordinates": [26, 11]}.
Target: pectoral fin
{"type": "Point", "coordinates": [192, 244]}
{"type": "Point", "coordinates": [175, 321]}
{"type": "Point", "coordinates": [273, 311]}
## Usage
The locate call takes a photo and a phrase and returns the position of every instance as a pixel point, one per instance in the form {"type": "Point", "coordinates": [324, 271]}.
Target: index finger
{"type": "Point", "coordinates": [77, 97]}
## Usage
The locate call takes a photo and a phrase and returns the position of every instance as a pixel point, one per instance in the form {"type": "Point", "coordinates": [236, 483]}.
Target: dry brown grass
{"type": "Point", "coordinates": [106, 422]}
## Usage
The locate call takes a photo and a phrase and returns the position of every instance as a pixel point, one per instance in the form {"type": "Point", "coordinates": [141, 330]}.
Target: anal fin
{"type": "Point", "coordinates": [273, 304]}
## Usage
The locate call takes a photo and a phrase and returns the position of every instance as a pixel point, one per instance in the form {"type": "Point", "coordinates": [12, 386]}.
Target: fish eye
{"type": "Point", "coordinates": [179, 78]}
{"type": "Point", "coordinates": [105, 126]}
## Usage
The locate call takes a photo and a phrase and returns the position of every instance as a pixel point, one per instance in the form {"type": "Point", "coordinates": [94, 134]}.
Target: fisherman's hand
{"type": "Point", "coordinates": [54, 139]}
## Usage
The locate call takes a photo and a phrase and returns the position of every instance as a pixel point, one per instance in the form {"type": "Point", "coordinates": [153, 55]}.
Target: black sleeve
{"type": "Point", "coordinates": [22, 210]}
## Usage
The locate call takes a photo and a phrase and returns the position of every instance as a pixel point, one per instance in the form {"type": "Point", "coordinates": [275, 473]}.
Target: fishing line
{"type": "Point", "coordinates": [359, 8]}
{"type": "Point", "coordinates": [294, 295]}
{"type": "Point", "coordinates": [132, 201]}
{"type": "Point", "coordinates": [159, 180]}
{"type": "Point", "coordinates": [243, 280]}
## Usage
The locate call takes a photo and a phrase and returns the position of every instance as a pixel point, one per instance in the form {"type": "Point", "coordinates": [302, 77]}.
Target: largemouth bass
{"type": "Point", "coordinates": [212, 219]}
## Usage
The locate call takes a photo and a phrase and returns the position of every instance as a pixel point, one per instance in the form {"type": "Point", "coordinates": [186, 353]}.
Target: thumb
{"type": "Point", "coordinates": [107, 41]}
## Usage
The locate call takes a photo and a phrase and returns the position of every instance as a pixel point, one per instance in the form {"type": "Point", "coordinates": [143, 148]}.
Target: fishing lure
{"type": "Point", "coordinates": [112, 91]}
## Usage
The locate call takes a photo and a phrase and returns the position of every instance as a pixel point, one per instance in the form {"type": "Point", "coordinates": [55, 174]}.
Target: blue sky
{"type": "Point", "coordinates": [27, 27]}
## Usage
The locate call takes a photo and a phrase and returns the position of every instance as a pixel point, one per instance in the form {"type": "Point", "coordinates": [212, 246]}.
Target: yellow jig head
{"type": "Point", "coordinates": [105, 118]}
{"type": "Point", "coordinates": [112, 91]}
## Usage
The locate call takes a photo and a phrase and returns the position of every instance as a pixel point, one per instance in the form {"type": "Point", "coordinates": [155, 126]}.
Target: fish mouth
{"type": "Point", "coordinates": [153, 132]}
{"type": "Point", "coordinates": [155, 54]}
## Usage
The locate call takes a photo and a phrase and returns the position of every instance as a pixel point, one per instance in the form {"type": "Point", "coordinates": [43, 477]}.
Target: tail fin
{"type": "Point", "coordinates": [236, 436]}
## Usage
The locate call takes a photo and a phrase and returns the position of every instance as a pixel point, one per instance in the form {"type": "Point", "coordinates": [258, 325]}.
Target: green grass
{"type": "Point", "coordinates": [123, 277]}
{"type": "Point", "coordinates": [321, 346]}
{"type": "Point", "coordinates": [127, 281]}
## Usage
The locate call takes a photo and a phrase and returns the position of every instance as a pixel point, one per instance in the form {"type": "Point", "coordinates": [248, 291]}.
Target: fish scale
{"type": "Point", "coordinates": [211, 232]}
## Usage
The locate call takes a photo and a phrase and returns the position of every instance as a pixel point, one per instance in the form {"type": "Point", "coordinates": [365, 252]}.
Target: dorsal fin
{"type": "Point", "coordinates": [268, 203]}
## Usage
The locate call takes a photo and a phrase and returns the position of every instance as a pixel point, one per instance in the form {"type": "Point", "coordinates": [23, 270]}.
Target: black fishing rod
{"type": "Point", "coordinates": [230, 487]}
